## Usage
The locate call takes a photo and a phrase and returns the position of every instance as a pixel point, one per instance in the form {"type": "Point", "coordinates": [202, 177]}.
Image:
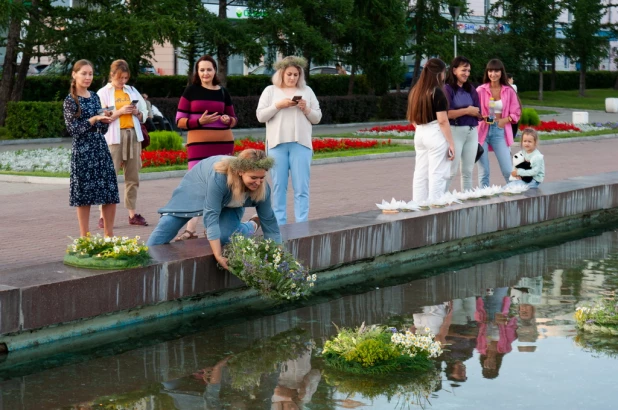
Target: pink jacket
{"type": "Point", "coordinates": [510, 106]}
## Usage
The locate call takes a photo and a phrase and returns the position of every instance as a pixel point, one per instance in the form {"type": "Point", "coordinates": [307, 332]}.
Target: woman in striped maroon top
{"type": "Point", "coordinates": [206, 111]}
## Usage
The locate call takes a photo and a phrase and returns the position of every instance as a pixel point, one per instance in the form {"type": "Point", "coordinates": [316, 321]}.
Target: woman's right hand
{"type": "Point", "coordinates": [222, 261]}
{"type": "Point", "coordinates": [127, 109]}
{"type": "Point", "coordinates": [285, 103]}
{"type": "Point", "coordinates": [209, 118]}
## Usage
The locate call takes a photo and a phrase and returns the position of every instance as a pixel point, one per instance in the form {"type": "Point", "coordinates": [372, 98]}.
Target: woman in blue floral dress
{"type": "Point", "coordinates": [93, 180]}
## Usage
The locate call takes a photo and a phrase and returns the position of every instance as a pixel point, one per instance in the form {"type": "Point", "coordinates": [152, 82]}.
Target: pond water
{"type": "Point", "coordinates": [509, 325]}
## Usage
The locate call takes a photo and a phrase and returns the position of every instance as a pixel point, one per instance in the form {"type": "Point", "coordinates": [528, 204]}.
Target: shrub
{"type": "Point", "coordinates": [55, 88]}
{"type": "Point", "coordinates": [30, 120]}
{"type": "Point", "coordinates": [529, 116]}
{"type": "Point", "coordinates": [167, 140]}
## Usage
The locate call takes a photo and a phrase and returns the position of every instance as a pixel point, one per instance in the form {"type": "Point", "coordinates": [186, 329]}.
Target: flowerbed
{"type": "Point", "coordinates": [406, 130]}
{"type": "Point", "coordinates": [319, 144]}
{"type": "Point", "coordinates": [47, 159]}
{"type": "Point", "coordinates": [163, 158]}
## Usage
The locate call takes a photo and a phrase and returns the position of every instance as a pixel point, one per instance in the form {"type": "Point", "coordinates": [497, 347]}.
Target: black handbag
{"type": "Point", "coordinates": [479, 152]}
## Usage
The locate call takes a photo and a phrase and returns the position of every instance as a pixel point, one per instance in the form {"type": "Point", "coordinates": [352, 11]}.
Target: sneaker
{"type": "Point", "coordinates": [101, 223]}
{"type": "Point", "coordinates": [137, 220]}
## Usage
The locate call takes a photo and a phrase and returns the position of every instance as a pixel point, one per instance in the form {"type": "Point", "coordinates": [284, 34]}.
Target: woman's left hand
{"type": "Point", "coordinates": [502, 122]}
{"type": "Point", "coordinates": [226, 119]}
{"type": "Point", "coordinates": [302, 104]}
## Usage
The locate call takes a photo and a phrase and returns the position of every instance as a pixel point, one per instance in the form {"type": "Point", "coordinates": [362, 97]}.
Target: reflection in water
{"type": "Point", "coordinates": [491, 316]}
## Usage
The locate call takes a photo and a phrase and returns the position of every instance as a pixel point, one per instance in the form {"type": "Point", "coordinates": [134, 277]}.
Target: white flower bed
{"type": "Point", "coordinates": [48, 159]}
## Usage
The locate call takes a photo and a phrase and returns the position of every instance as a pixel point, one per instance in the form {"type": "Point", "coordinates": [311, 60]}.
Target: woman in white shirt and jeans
{"type": "Point", "coordinates": [289, 108]}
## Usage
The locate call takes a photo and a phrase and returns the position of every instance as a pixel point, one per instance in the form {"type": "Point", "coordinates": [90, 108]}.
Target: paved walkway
{"type": "Point", "coordinates": [36, 220]}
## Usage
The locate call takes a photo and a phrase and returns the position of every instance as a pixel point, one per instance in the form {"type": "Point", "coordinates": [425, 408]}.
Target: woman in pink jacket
{"type": "Point", "coordinates": [496, 132]}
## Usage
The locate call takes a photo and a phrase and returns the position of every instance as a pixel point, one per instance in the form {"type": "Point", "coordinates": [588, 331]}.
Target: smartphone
{"type": "Point", "coordinates": [450, 153]}
{"type": "Point", "coordinates": [134, 102]}
{"type": "Point", "coordinates": [297, 98]}
{"type": "Point", "coordinates": [102, 110]}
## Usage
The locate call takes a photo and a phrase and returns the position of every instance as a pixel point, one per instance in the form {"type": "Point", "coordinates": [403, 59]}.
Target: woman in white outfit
{"type": "Point", "coordinates": [433, 142]}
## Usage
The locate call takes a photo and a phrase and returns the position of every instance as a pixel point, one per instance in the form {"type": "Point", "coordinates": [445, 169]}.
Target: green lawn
{"type": "Point", "coordinates": [594, 99]}
{"type": "Point", "coordinates": [366, 151]}
{"type": "Point", "coordinates": [545, 112]}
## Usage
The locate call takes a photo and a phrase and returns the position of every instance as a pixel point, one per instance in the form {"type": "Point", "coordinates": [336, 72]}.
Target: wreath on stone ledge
{"type": "Point", "coordinates": [97, 252]}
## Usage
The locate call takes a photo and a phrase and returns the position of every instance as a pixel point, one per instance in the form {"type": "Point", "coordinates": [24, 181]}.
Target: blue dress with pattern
{"type": "Point", "coordinates": [93, 179]}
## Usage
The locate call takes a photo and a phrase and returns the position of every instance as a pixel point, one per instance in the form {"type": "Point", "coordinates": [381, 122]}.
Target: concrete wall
{"type": "Point", "coordinates": [184, 276]}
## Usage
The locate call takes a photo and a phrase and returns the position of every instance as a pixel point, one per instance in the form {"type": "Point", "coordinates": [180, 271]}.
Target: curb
{"type": "Point", "coordinates": [236, 130]}
{"type": "Point", "coordinates": [151, 176]}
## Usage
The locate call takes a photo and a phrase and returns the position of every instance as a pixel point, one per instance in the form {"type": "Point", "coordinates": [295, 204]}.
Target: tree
{"type": "Point", "coordinates": [488, 44]}
{"type": "Point", "coordinates": [530, 22]}
{"type": "Point", "coordinates": [105, 30]}
{"type": "Point", "coordinates": [432, 32]}
{"type": "Point", "coordinates": [374, 41]}
{"type": "Point", "coordinates": [582, 41]}
{"type": "Point", "coordinates": [15, 17]}
{"type": "Point", "coordinates": [301, 27]}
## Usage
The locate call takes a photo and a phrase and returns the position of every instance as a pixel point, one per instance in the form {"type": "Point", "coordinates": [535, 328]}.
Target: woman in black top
{"type": "Point", "coordinates": [433, 142]}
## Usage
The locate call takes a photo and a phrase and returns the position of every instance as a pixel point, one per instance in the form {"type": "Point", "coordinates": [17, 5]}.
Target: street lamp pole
{"type": "Point", "coordinates": [454, 10]}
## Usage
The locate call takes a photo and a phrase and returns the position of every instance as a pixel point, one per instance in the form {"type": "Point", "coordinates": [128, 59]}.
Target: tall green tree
{"type": "Point", "coordinates": [26, 27]}
{"type": "Point", "coordinates": [583, 43]}
{"type": "Point", "coordinates": [374, 42]}
{"type": "Point", "coordinates": [530, 22]}
{"type": "Point", "coordinates": [105, 30]}
{"type": "Point", "coordinates": [301, 27]}
{"type": "Point", "coordinates": [488, 44]}
{"type": "Point", "coordinates": [432, 31]}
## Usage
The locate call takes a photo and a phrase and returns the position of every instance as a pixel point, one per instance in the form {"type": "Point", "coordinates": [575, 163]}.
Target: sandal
{"type": "Point", "coordinates": [256, 220]}
{"type": "Point", "coordinates": [187, 234]}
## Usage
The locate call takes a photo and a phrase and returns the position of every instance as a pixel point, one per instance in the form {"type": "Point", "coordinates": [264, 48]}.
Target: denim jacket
{"type": "Point", "coordinates": [203, 191]}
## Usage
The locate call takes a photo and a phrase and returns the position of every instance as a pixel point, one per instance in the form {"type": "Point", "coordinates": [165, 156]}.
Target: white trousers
{"type": "Point", "coordinates": [433, 169]}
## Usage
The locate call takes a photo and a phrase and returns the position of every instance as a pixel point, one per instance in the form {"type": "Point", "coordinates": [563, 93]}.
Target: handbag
{"type": "Point", "coordinates": [479, 152]}
{"type": "Point", "coordinates": [146, 141]}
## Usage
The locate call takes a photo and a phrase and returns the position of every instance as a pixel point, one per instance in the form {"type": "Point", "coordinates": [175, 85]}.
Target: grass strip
{"type": "Point", "coordinates": [593, 100]}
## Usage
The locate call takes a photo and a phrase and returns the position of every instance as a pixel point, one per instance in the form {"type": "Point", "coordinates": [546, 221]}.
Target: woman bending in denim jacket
{"type": "Point", "coordinates": [219, 188]}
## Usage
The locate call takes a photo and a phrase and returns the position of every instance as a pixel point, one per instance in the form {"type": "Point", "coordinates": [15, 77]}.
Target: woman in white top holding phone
{"type": "Point", "coordinates": [124, 136]}
{"type": "Point", "coordinates": [289, 108]}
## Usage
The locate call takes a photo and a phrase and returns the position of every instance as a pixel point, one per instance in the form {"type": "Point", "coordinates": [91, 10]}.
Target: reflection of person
{"type": "Point", "coordinates": [212, 377]}
{"type": "Point", "coordinates": [219, 188]}
{"type": "Point", "coordinates": [124, 135]}
{"type": "Point", "coordinates": [497, 331]}
{"type": "Point", "coordinates": [296, 385]}
{"type": "Point", "coordinates": [340, 69]}
{"type": "Point", "coordinates": [498, 134]}
{"type": "Point", "coordinates": [529, 141]}
{"type": "Point", "coordinates": [93, 180]}
{"type": "Point", "coordinates": [463, 113]}
{"type": "Point", "coordinates": [433, 143]}
{"type": "Point", "coordinates": [206, 110]}
{"type": "Point", "coordinates": [289, 108]}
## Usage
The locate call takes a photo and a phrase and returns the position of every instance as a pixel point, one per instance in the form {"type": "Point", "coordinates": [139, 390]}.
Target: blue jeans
{"type": "Point", "coordinates": [229, 223]}
{"type": "Point", "coordinates": [497, 140]}
{"type": "Point", "coordinates": [295, 159]}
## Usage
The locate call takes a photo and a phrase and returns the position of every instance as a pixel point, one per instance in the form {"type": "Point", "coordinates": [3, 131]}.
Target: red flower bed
{"type": "Point", "coordinates": [319, 144]}
{"type": "Point", "coordinates": [398, 128]}
{"type": "Point", "coordinates": [163, 158]}
{"type": "Point", "coordinates": [552, 125]}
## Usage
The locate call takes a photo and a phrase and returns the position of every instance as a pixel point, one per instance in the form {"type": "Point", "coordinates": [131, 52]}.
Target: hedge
{"type": "Point", "coordinates": [55, 88]}
{"type": "Point", "coordinates": [45, 119]}
{"type": "Point", "coordinates": [35, 120]}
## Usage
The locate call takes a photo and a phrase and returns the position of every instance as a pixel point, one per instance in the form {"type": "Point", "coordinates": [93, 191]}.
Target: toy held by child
{"type": "Point", "coordinates": [533, 164]}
